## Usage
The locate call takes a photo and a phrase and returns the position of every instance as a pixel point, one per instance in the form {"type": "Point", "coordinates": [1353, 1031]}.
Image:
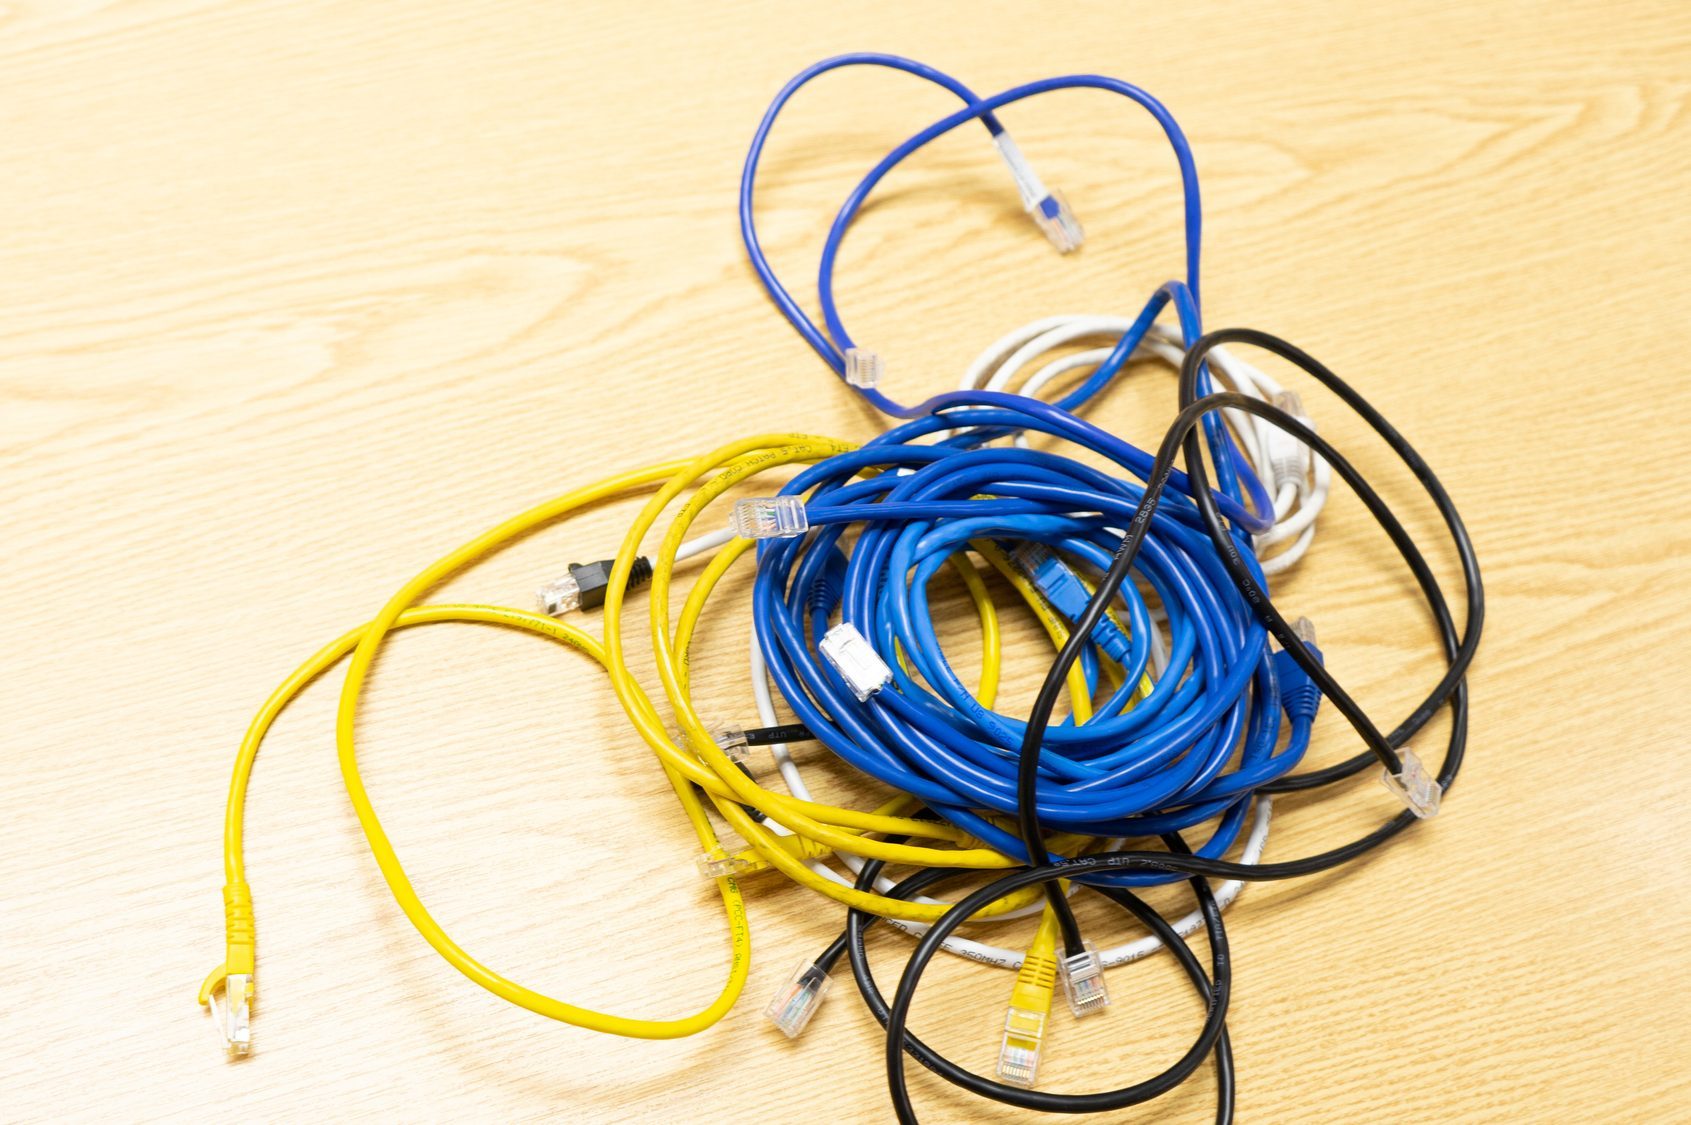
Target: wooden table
{"type": "Point", "coordinates": [298, 295]}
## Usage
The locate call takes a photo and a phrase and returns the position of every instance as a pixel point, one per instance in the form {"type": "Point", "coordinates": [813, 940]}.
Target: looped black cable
{"type": "Point", "coordinates": [1212, 1038]}
{"type": "Point", "coordinates": [1451, 689]}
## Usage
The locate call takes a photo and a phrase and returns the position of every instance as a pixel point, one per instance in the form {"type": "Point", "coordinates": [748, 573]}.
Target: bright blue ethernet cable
{"type": "Point", "coordinates": [1230, 464]}
{"type": "Point", "coordinates": [748, 177]}
{"type": "Point", "coordinates": [1217, 706]}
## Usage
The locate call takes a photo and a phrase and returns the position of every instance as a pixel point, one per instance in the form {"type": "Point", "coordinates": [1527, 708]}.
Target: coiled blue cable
{"type": "Point", "coordinates": [1190, 752]}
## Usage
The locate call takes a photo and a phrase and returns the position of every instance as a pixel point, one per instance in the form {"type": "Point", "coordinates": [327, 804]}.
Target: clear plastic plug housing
{"type": "Point", "coordinates": [796, 1001]}
{"type": "Point", "coordinates": [720, 862]}
{"type": "Point", "coordinates": [1030, 556]}
{"type": "Point", "coordinates": [237, 1013]}
{"type": "Point", "coordinates": [1414, 786]}
{"type": "Point", "coordinates": [855, 659]}
{"type": "Point", "coordinates": [1304, 630]}
{"type": "Point", "coordinates": [559, 597]}
{"type": "Point", "coordinates": [1083, 981]}
{"type": "Point", "coordinates": [1018, 1055]}
{"type": "Point", "coordinates": [1058, 222]}
{"type": "Point", "coordinates": [770, 517]}
{"type": "Point", "coordinates": [863, 368]}
{"type": "Point", "coordinates": [1048, 208]}
{"type": "Point", "coordinates": [1290, 402]}
{"type": "Point", "coordinates": [733, 742]}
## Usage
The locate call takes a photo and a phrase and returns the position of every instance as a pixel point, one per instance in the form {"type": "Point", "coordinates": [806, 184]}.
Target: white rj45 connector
{"type": "Point", "coordinates": [770, 517]}
{"type": "Point", "coordinates": [855, 659]}
{"type": "Point", "coordinates": [1083, 981]}
{"type": "Point", "coordinates": [796, 1001]}
{"type": "Point", "coordinates": [863, 368]}
{"type": "Point", "coordinates": [1288, 458]}
{"type": "Point", "coordinates": [1414, 786]}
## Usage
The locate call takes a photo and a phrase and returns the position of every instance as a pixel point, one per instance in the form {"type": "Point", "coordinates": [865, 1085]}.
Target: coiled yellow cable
{"type": "Point", "coordinates": [696, 761]}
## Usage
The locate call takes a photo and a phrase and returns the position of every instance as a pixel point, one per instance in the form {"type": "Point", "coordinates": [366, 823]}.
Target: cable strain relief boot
{"type": "Point", "coordinates": [829, 587]}
{"type": "Point", "coordinates": [1300, 696]}
{"type": "Point", "coordinates": [585, 585]}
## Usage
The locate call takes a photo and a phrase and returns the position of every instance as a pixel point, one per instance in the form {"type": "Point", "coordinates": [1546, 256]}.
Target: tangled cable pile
{"type": "Point", "coordinates": [1190, 698]}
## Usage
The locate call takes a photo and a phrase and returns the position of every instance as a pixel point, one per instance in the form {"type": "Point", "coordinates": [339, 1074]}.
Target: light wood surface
{"type": "Point", "coordinates": [298, 295]}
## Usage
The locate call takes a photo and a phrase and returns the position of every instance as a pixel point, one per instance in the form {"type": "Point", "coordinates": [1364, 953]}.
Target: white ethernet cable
{"type": "Point", "coordinates": [1297, 480]}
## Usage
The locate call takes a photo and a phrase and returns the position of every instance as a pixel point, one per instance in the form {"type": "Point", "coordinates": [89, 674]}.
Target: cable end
{"type": "Point", "coordinates": [1083, 981]}
{"type": "Point", "coordinates": [720, 863]}
{"type": "Point", "coordinates": [1299, 694]}
{"type": "Point", "coordinates": [796, 1001]}
{"type": "Point", "coordinates": [863, 369]}
{"type": "Point", "coordinates": [586, 584]}
{"type": "Point", "coordinates": [1054, 218]}
{"type": "Point", "coordinates": [559, 597]}
{"type": "Point", "coordinates": [1018, 1054]}
{"type": "Point", "coordinates": [234, 1015]}
{"type": "Point", "coordinates": [1048, 208]}
{"type": "Point", "coordinates": [770, 517]}
{"type": "Point", "coordinates": [733, 742]}
{"type": "Point", "coordinates": [855, 659]}
{"type": "Point", "coordinates": [1288, 458]}
{"type": "Point", "coordinates": [1414, 786]}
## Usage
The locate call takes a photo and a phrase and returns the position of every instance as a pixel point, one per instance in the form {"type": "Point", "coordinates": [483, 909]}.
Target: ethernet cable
{"type": "Point", "coordinates": [833, 346]}
{"type": "Point", "coordinates": [1015, 1089]}
{"type": "Point", "coordinates": [862, 368]}
{"type": "Point", "coordinates": [886, 734]}
{"type": "Point", "coordinates": [1298, 481]}
{"type": "Point", "coordinates": [1202, 714]}
{"type": "Point", "coordinates": [235, 978]}
{"type": "Point", "coordinates": [1048, 210]}
{"type": "Point", "coordinates": [1402, 772]}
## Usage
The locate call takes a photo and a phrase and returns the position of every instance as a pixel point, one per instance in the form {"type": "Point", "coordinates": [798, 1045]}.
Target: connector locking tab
{"type": "Point", "coordinates": [855, 659]}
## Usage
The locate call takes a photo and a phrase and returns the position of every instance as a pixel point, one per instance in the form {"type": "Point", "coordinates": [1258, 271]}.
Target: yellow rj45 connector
{"type": "Point", "coordinates": [1030, 1007]}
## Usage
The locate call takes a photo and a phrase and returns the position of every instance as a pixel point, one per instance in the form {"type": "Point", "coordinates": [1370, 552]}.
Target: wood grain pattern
{"type": "Point", "coordinates": [299, 294]}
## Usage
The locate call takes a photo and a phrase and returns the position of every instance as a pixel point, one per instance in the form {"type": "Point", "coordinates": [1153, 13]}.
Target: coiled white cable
{"type": "Point", "coordinates": [1297, 480]}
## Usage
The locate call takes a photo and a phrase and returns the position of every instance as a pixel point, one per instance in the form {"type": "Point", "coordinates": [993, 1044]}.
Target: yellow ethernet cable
{"type": "Point", "coordinates": [235, 975]}
{"type": "Point", "coordinates": [1030, 1007]}
{"type": "Point", "coordinates": [817, 829]}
